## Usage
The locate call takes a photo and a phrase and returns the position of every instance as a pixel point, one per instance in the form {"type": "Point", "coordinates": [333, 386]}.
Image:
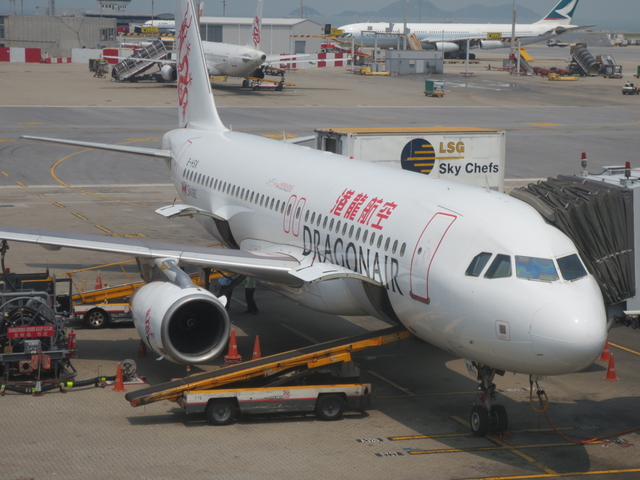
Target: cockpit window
{"type": "Point", "coordinates": [532, 268]}
{"type": "Point", "coordinates": [571, 267]}
{"type": "Point", "coordinates": [500, 267]}
{"type": "Point", "coordinates": [477, 264]}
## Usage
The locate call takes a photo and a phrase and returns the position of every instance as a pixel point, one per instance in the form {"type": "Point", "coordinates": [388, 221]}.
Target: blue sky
{"type": "Point", "coordinates": [612, 14]}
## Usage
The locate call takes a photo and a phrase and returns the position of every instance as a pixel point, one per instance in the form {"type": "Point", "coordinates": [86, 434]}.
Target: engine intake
{"type": "Point", "coordinates": [186, 325]}
{"type": "Point", "coordinates": [169, 73]}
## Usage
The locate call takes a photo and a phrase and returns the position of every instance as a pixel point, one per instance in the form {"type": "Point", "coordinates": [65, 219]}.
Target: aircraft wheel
{"type": "Point", "coordinates": [479, 421]}
{"type": "Point", "coordinates": [245, 83]}
{"type": "Point", "coordinates": [498, 419]}
{"type": "Point", "coordinates": [96, 318]}
{"type": "Point", "coordinates": [220, 411]}
{"type": "Point", "coordinates": [330, 407]}
{"type": "Point", "coordinates": [257, 87]}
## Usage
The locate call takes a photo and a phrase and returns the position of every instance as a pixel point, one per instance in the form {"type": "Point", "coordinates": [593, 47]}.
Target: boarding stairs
{"type": "Point", "coordinates": [583, 62]}
{"type": "Point", "coordinates": [414, 43]}
{"type": "Point", "coordinates": [525, 59]}
{"type": "Point", "coordinates": [138, 63]}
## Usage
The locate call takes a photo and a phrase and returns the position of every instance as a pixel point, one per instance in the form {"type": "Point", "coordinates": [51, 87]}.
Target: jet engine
{"type": "Point", "coordinates": [169, 73]}
{"type": "Point", "coordinates": [491, 44]}
{"type": "Point", "coordinates": [447, 46]}
{"type": "Point", "coordinates": [186, 325]}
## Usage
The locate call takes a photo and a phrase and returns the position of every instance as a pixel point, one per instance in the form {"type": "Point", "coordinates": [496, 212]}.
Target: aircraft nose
{"type": "Point", "coordinates": [263, 57]}
{"type": "Point", "coordinates": [568, 335]}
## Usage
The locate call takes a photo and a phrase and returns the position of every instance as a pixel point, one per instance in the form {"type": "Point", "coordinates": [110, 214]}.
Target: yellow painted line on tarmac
{"type": "Point", "coordinates": [494, 448]}
{"type": "Point", "coordinates": [41, 195]}
{"type": "Point", "coordinates": [514, 450]}
{"type": "Point", "coordinates": [104, 229]}
{"type": "Point", "coordinates": [624, 348]}
{"type": "Point", "coordinates": [549, 475]}
{"type": "Point", "coordinates": [393, 384]}
{"type": "Point", "coordinates": [5, 139]}
{"type": "Point", "coordinates": [5, 174]}
{"type": "Point", "coordinates": [445, 435]}
{"type": "Point", "coordinates": [79, 216]}
{"type": "Point", "coordinates": [31, 123]}
{"type": "Point", "coordinates": [546, 124]}
{"type": "Point", "coordinates": [21, 184]}
{"type": "Point", "coordinates": [53, 174]}
{"type": "Point", "coordinates": [278, 136]}
{"type": "Point", "coordinates": [299, 333]}
{"type": "Point", "coordinates": [58, 205]}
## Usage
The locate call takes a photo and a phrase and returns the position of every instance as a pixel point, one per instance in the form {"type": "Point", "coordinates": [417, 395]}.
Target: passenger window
{"type": "Point", "coordinates": [402, 249]}
{"type": "Point", "coordinates": [500, 268]}
{"type": "Point", "coordinates": [395, 247]}
{"type": "Point", "coordinates": [338, 227]}
{"type": "Point", "coordinates": [532, 268]}
{"type": "Point", "coordinates": [351, 231]}
{"type": "Point", "coordinates": [313, 217]}
{"type": "Point", "coordinates": [477, 264]}
{"type": "Point", "coordinates": [330, 223]}
{"type": "Point", "coordinates": [364, 236]}
{"type": "Point", "coordinates": [324, 224]}
{"type": "Point", "coordinates": [386, 244]}
{"type": "Point", "coordinates": [571, 267]}
{"type": "Point", "coordinates": [278, 205]}
{"type": "Point", "coordinates": [306, 216]}
{"type": "Point", "coordinates": [319, 220]}
{"type": "Point", "coordinates": [273, 200]}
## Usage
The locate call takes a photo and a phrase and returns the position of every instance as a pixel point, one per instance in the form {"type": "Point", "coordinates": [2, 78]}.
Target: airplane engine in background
{"type": "Point", "coordinates": [169, 73]}
{"type": "Point", "coordinates": [491, 44]}
{"type": "Point", "coordinates": [186, 325]}
{"type": "Point", "coordinates": [447, 47]}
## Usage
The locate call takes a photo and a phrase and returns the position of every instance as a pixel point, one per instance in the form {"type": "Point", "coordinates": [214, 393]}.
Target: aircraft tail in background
{"type": "Point", "coordinates": [256, 28]}
{"type": "Point", "coordinates": [562, 13]}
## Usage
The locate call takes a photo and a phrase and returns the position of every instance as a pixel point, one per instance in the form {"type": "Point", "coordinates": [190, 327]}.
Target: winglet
{"type": "Point", "coordinates": [196, 108]}
{"type": "Point", "coordinates": [256, 28]}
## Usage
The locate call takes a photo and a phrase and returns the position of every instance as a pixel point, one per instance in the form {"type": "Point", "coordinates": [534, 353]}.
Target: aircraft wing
{"type": "Point", "coordinates": [151, 152]}
{"type": "Point", "coordinates": [562, 29]}
{"type": "Point", "coordinates": [273, 268]}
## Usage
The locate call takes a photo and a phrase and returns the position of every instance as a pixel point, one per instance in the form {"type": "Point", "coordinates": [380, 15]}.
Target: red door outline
{"type": "Point", "coordinates": [424, 252]}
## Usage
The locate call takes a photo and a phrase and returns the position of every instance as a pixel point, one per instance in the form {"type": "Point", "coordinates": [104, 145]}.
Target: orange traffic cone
{"type": "Point", "coordinates": [142, 349]}
{"type": "Point", "coordinates": [98, 281]}
{"type": "Point", "coordinates": [604, 356]}
{"type": "Point", "coordinates": [611, 371]}
{"type": "Point", "coordinates": [119, 384]}
{"type": "Point", "coordinates": [232, 358]}
{"type": "Point", "coordinates": [256, 349]}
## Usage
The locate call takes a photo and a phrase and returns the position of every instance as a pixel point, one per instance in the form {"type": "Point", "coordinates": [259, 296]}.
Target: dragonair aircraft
{"type": "Point", "coordinates": [452, 38]}
{"type": "Point", "coordinates": [472, 271]}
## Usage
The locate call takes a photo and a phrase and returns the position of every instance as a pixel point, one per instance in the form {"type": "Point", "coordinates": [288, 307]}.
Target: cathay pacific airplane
{"type": "Point", "coordinates": [474, 272]}
{"type": "Point", "coordinates": [452, 38]}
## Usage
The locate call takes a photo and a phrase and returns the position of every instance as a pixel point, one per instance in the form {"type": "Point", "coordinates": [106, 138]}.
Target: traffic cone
{"type": "Point", "coordinates": [604, 356]}
{"type": "Point", "coordinates": [232, 358]}
{"type": "Point", "coordinates": [256, 349]}
{"type": "Point", "coordinates": [142, 349]}
{"type": "Point", "coordinates": [611, 371]}
{"type": "Point", "coordinates": [119, 384]}
{"type": "Point", "coordinates": [98, 281]}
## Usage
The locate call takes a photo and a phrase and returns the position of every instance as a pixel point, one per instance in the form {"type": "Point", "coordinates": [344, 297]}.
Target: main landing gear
{"type": "Point", "coordinates": [487, 417]}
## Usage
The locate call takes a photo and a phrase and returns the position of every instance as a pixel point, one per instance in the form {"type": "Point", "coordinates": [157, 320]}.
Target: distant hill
{"type": "Point", "coordinates": [306, 12]}
{"type": "Point", "coordinates": [425, 12]}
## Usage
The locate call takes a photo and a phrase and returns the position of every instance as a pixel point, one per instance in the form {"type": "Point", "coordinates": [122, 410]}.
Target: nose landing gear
{"type": "Point", "coordinates": [488, 417]}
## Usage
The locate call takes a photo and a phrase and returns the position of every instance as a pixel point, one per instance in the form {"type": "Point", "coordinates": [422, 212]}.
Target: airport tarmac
{"type": "Point", "coordinates": [421, 395]}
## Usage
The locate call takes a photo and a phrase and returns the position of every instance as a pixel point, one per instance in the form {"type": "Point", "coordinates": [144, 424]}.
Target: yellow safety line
{"type": "Point", "coordinates": [79, 216]}
{"type": "Point", "coordinates": [58, 205]}
{"type": "Point", "coordinates": [393, 384]}
{"type": "Point", "coordinates": [496, 447]}
{"type": "Point", "coordinates": [549, 475]}
{"type": "Point", "coordinates": [5, 174]}
{"type": "Point", "coordinates": [41, 195]}
{"type": "Point", "coordinates": [443, 435]}
{"type": "Point", "coordinates": [104, 229]}
{"type": "Point", "coordinates": [624, 348]}
{"type": "Point", "coordinates": [517, 452]}
{"type": "Point", "coordinates": [21, 184]}
{"type": "Point", "coordinates": [5, 139]}
{"type": "Point", "coordinates": [53, 174]}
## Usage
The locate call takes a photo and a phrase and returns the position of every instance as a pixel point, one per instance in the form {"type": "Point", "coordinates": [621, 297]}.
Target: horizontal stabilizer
{"type": "Point", "coordinates": [150, 152]}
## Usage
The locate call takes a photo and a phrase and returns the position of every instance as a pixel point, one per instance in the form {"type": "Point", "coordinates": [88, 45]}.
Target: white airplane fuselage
{"type": "Point", "coordinates": [525, 33]}
{"type": "Point", "coordinates": [413, 234]}
{"type": "Point", "coordinates": [232, 60]}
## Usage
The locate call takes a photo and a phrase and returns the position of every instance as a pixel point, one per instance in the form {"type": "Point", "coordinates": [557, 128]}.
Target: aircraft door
{"type": "Point", "coordinates": [423, 254]}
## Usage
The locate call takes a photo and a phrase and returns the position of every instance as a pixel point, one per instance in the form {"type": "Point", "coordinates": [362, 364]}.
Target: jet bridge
{"type": "Point", "coordinates": [132, 68]}
{"type": "Point", "coordinates": [600, 214]}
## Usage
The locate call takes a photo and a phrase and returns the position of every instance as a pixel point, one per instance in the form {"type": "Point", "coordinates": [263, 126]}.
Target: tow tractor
{"type": "Point", "coordinates": [255, 81]}
{"type": "Point", "coordinates": [630, 89]}
{"type": "Point", "coordinates": [320, 378]}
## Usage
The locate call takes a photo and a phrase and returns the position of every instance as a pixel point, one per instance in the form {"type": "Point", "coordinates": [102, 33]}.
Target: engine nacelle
{"type": "Point", "coordinates": [447, 46]}
{"type": "Point", "coordinates": [186, 325]}
{"type": "Point", "coordinates": [169, 73]}
{"type": "Point", "coordinates": [491, 44]}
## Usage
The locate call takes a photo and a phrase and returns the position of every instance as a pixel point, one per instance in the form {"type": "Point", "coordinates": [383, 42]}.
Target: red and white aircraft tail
{"type": "Point", "coordinates": [256, 28]}
{"type": "Point", "coordinates": [196, 106]}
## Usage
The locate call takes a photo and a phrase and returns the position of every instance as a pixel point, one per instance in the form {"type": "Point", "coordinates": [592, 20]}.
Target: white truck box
{"type": "Point", "coordinates": [474, 156]}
